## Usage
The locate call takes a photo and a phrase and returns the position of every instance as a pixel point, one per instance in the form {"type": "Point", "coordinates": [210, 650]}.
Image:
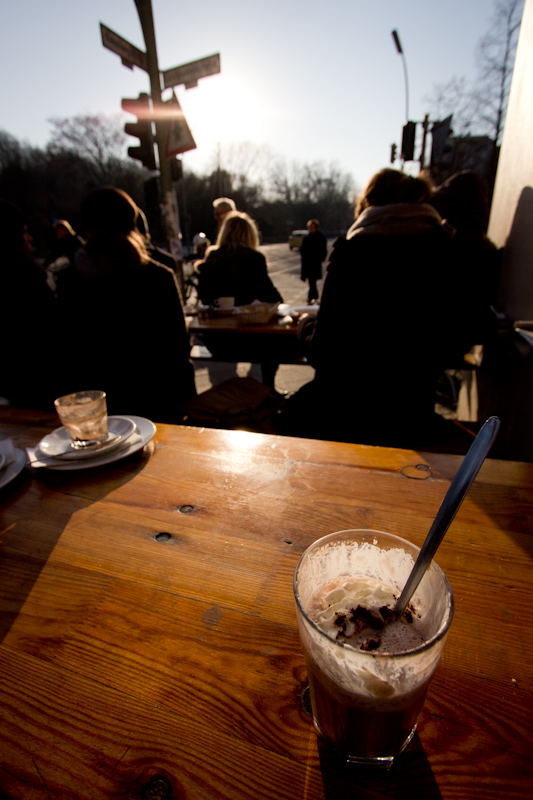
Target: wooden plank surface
{"type": "Point", "coordinates": [124, 656]}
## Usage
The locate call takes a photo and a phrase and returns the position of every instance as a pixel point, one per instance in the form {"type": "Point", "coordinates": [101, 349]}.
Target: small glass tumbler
{"type": "Point", "coordinates": [84, 417]}
{"type": "Point", "coordinates": [366, 703]}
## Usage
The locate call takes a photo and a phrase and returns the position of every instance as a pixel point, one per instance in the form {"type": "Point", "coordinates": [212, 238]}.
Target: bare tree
{"type": "Point", "coordinates": [99, 140]}
{"type": "Point", "coordinates": [246, 165]}
{"type": "Point", "coordinates": [495, 57]}
{"type": "Point", "coordinates": [313, 190]}
{"type": "Point", "coordinates": [451, 98]}
{"type": "Point", "coordinates": [479, 108]}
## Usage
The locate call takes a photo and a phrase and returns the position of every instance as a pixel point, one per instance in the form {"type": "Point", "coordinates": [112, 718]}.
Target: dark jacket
{"type": "Point", "coordinates": [313, 251]}
{"type": "Point", "coordinates": [128, 333]}
{"type": "Point", "coordinates": [30, 373]}
{"type": "Point", "coordinates": [239, 272]}
{"type": "Point", "coordinates": [386, 328]}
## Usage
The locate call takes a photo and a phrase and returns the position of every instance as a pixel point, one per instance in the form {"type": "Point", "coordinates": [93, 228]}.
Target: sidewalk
{"type": "Point", "coordinates": [289, 377]}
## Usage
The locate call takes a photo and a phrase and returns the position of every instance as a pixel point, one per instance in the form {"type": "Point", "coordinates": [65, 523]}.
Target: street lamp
{"type": "Point", "coordinates": [400, 51]}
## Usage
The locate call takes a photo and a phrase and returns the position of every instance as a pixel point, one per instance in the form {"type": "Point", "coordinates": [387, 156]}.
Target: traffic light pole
{"type": "Point", "coordinates": [168, 200]}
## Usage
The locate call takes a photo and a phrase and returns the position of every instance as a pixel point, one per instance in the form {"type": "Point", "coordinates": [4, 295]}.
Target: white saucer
{"type": "Point", "coordinates": [15, 468]}
{"type": "Point", "coordinates": [144, 431]}
{"type": "Point", "coordinates": [58, 443]}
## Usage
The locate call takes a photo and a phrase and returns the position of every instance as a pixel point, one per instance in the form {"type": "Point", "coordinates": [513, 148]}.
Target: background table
{"type": "Point", "coordinates": [148, 625]}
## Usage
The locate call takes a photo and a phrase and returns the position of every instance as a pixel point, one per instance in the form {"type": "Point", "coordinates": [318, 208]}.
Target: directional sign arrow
{"type": "Point", "coordinates": [131, 56]}
{"type": "Point", "coordinates": [189, 74]}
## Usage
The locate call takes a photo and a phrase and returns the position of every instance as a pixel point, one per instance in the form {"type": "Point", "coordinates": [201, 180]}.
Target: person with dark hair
{"type": "Point", "coordinates": [463, 201]}
{"type": "Point", "coordinates": [123, 313]}
{"type": "Point", "coordinates": [61, 255]}
{"type": "Point", "coordinates": [29, 368]}
{"type": "Point", "coordinates": [313, 251]}
{"type": "Point", "coordinates": [385, 326]}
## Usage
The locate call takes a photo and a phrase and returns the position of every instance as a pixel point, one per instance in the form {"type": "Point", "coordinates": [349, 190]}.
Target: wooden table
{"type": "Point", "coordinates": [248, 342]}
{"type": "Point", "coordinates": [148, 625]}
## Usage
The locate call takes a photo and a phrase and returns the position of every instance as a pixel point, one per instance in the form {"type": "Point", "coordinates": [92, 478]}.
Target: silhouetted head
{"type": "Point", "coordinates": [238, 228]}
{"type": "Point", "coordinates": [222, 207]}
{"type": "Point", "coordinates": [391, 186]}
{"type": "Point", "coordinates": [313, 225]}
{"type": "Point", "coordinates": [106, 213]}
{"type": "Point", "coordinates": [108, 210]}
{"type": "Point", "coordinates": [463, 200]}
{"type": "Point", "coordinates": [63, 228]}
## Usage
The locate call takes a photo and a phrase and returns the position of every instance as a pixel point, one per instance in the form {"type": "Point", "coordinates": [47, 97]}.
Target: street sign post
{"type": "Point", "coordinates": [131, 56]}
{"type": "Point", "coordinates": [190, 73]}
{"type": "Point", "coordinates": [171, 130]}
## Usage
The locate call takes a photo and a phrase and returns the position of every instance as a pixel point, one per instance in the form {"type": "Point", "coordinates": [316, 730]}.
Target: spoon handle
{"type": "Point", "coordinates": [455, 495]}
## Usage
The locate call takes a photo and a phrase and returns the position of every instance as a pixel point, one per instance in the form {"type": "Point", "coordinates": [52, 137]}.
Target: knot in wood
{"type": "Point", "coordinates": [158, 788]}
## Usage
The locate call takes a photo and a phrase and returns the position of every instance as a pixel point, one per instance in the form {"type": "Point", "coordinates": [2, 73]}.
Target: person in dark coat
{"type": "Point", "coordinates": [124, 316]}
{"type": "Point", "coordinates": [29, 365]}
{"type": "Point", "coordinates": [313, 251]}
{"type": "Point", "coordinates": [386, 324]}
{"type": "Point", "coordinates": [234, 267]}
{"type": "Point", "coordinates": [463, 201]}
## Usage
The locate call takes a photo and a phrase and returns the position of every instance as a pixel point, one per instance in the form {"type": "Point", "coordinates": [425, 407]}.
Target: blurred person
{"type": "Point", "coordinates": [66, 243]}
{"type": "Point", "coordinates": [124, 316]}
{"type": "Point", "coordinates": [29, 366]}
{"type": "Point", "coordinates": [387, 323]}
{"type": "Point", "coordinates": [463, 201]}
{"type": "Point", "coordinates": [234, 267]}
{"type": "Point", "coordinates": [313, 251]}
{"type": "Point", "coordinates": [155, 253]}
{"type": "Point", "coordinates": [200, 244]}
{"type": "Point", "coordinates": [63, 249]}
{"type": "Point", "coordinates": [221, 208]}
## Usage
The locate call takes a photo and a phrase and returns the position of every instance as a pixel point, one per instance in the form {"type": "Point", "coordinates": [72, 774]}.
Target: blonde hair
{"type": "Point", "coordinates": [238, 229]}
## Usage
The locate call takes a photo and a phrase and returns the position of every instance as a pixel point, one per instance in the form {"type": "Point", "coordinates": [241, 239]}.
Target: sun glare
{"type": "Point", "coordinates": [226, 110]}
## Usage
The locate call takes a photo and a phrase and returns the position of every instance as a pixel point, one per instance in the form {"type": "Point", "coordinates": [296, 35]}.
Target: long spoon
{"type": "Point", "coordinates": [455, 495]}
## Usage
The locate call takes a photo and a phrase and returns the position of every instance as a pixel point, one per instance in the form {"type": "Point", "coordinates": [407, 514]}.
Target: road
{"type": "Point", "coordinates": [284, 270]}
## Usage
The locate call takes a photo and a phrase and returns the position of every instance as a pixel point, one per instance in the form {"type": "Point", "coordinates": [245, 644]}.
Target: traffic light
{"type": "Point", "coordinates": [392, 153]}
{"type": "Point", "coordinates": [142, 129]}
{"type": "Point", "coordinates": [408, 141]}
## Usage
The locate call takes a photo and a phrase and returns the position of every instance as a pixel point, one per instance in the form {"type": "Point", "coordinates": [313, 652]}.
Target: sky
{"type": "Point", "coordinates": [305, 81]}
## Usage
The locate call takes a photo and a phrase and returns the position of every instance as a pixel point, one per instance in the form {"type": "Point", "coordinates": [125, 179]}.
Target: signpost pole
{"type": "Point", "coordinates": [168, 202]}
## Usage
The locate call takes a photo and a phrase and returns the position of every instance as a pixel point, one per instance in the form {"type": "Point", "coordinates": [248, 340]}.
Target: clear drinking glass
{"type": "Point", "coordinates": [366, 703]}
{"type": "Point", "coordinates": [84, 417]}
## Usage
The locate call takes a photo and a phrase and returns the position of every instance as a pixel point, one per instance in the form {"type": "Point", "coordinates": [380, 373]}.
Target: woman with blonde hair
{"type": "Point", "coordinates": [234, 267]}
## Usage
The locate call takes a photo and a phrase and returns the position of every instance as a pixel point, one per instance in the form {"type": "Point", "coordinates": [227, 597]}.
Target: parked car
{"type": "Point", "coordinates": [296, 238]}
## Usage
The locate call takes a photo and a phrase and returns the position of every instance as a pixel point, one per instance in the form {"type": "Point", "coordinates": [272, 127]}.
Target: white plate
{"type": "Point", "coordinates": [58, 443]}
{"type": "Point", "coordinates": [144, 427]}
{"type": "Point", "coordinates": [285, 309]}
{"type": "Point", "coordinates": [13, 469]}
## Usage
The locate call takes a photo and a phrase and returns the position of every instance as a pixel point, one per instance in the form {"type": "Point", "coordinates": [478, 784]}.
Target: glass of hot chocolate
{"type": "Point", "coordinates": [368, 671]}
